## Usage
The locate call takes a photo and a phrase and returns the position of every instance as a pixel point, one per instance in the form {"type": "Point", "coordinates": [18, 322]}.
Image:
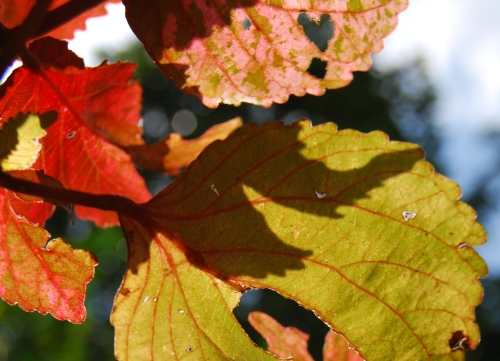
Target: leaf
{"type": "Point", "coordinates": [286, 341]}
{"type": "Point", "coordinates": [204, 47]}
{"type": "Point", "coordinates": [20, 140]}
{"type": "Point", "coordinates": [336, 348]}
{"type": "Point", "coordinates": [98, 111]}
{"type": "Point", "coordinates": [167, 309]}
{"type": "Point", "coordinates": [282, 341]}
{"type": "Point", "coordinates": [13, 13]}
{"type": "Point", "coordinates": [40, 275]}
{"type": "Point", "coordinates": [174, 153]}
{"type": "Point", "coordinates": [315, 214]}
{"type": "Point", "coordinates": [40, 178]}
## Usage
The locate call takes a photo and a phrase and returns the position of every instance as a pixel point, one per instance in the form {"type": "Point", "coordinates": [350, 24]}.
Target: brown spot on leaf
{"type": "Point", "coordinates": [459, 341]}
{"type": "Point", "coordinates": [124, 291]}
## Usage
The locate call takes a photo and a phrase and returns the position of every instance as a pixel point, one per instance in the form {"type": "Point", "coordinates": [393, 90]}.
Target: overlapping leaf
{"type": "Point", "coordinates": [255, 50]}
{"type": "Point", "coordinates": [319, 215]}
{"type": "Point", "coordinates": [281, 341]}
{"type": "Point", "coordinates": [37, 274]}
{"type": "Point", "coordinates": [174, 153]}
{"type": "Point", "coordinates": [20, 140]}
{"type": "Point", "coordinates": [19, 149]}
{"type": "Point", "coordinates": [34, 273]}
{"type": "Point", "coordinates": [337, 349]}
{"type": "Point", "coordinates": [286, 341]}
{"type": "Point", "coordinates": [13, 13]}
{"type": "Point", "coordinates": [35, 209]}
{"type": "Point", "coordinates": [97, 108]}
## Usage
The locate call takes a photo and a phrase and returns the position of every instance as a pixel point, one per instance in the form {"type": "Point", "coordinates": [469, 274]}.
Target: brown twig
{"type": "Point", "coordinates": [38, 23]}
{"type": "Point", "coordinates": [106, 202]}
{"type": "Point", "coordinates": [65, 13]}
{"type": "Point", "coordinates": [15, 39]}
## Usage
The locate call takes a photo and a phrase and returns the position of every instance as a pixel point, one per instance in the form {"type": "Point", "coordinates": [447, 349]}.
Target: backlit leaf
{"type": "Point", "coordinates": [98, 109]}
{"type": "Point", "coordinates": [336, 348]}
{"type": "Point", "coordinates": [167, 309]}
{"type": "Point", "coordinates": [20, 140]}
{"type": "Point", "coordinates": [317, 215]}
{"type": "Point", "coordinates": [46, 277]}
{"type": "Point", "coordinates": [172, 154]}
{"type": "Point", "coordinates": [255, 50]}
{"type": "Point", "coordinates": [282, 341]}
{"type": "Point", "coordinates": [39, 177]}
{"type": "Point", "coordinates": [13, 13]}
{"type": "Point", "coordinates": [286, 341]}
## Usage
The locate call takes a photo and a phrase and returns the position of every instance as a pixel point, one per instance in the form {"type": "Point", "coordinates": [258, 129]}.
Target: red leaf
{"type": "Point", "coordinates": [35, 212]}
{"type": "Point", "coordinates": [336, 348]}
{"type": "Point", "coordinates": [207, 49]}
{"type": "Point", "coordinates": [97, 108]}
{"type": "Point", "coordinates": [174, 153]}
{"type": "Point", "coordinates": [282, 341]}
{"type": "Point", "coordinates": [13, 13]}
{"type": "Point", "coordinates": [38, 176]}
{"type": "Point", "coordinates": [41, 276]}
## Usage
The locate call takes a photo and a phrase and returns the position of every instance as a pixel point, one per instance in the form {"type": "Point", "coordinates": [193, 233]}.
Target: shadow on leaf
{"type": "Point", "coordinates": [244, 207]}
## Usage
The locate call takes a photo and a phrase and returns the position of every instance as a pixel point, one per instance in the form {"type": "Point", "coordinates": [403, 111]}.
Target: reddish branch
{"type": "Point", "coordinates": [65, 13]}
{"type": "Point", "coordinates": [38, 23]}
{"type": "Point", "coordinates": [14, 39]}
{"type": "Point", "coordinates": [113, 203]}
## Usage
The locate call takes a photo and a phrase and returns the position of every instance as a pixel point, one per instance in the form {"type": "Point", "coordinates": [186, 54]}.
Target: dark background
{"type": "Point", "coordinates": [399, 103]}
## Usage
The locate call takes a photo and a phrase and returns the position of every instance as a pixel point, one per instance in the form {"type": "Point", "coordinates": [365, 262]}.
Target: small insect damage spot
{"type": "Point", "coordinates": [462, 245]}
{"type": "Point", "coordinates": [181, 311]}
{"type": "Point", "coordinates": [145, 299]}
{"type": "Point", "coordinates": [70, 135]}
{"type": "Point", "coordinates": [246, 24]}
{"type": "Point", "coordinates": [320, 195]}
{"type": "Point", "coordinates": [319, 32]}
{"type": "Point", "coordinates": [408, 215]}
{"type": "Point", "coordinates": [189, 349]}
{"type": "Point", "coordinates": [212, 187]}
{"type": "Point", "coordinates": [459, 341]}
{"type": "Point", "coordinates": [317, 68]}
{"type": "Point", "coordinates": [124, 291]}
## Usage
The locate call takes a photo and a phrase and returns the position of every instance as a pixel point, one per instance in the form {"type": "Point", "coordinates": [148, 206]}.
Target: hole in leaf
{"type": "Point", "coordinates": [459, 341]}
{"type": "Point", "coordinates": [320, 32]}
{"type": "Point", "coordinates": [317, 68]}
{"type": "Point", "coordinates": [287, 312]}
{"type": "Point", "coordinates": [246, 24]}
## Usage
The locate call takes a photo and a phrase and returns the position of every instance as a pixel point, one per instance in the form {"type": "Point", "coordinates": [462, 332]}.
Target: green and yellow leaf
{"type": "Point", "coordinates": [359, 229]}
{"type": "Point", "coordinates": [19, 140]}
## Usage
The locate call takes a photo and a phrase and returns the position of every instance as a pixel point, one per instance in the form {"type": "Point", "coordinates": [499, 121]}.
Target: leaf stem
{"type": "Point", "coordinates": [104, 202]}
{"type": "Point", "coordinates": [65, 13]}
{"type": "Point", "coordinates": [37, 23]}
{"type": "Point", "coordinates": [14, 39]}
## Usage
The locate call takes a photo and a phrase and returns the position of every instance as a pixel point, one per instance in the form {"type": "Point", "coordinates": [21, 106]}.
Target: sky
{"type": "Point", "coordinates": [459, 41]}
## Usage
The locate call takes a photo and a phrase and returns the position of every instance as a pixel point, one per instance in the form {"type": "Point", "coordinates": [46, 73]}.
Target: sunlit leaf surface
{"type": "Point", "coordinates": [256, 51]}
{"type": "Point", "coordinates": [98, 111]}
{"type": "Point", "coordinates": [290, 341]}
{"type": "Point", "coordinates": [37, 274]}
{"type": "Point", "coordinates": [174, 153]}
{"type": "Point", "coordinates": [281, 341]}
{"type": "Point", "coordinates": [337, 349]}
{"type": "Point", "coordinates": [20, 140]}
{"type": "Point", "coordinates": [318, 215]}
